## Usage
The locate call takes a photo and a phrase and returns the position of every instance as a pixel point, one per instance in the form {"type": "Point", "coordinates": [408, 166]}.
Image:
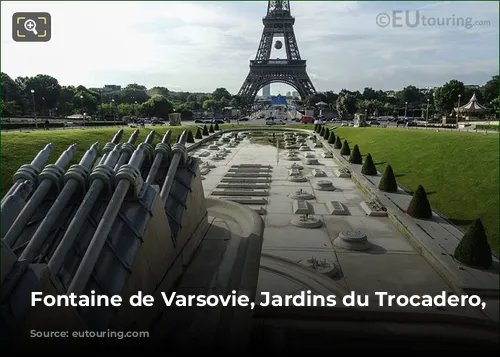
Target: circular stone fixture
{"type": "Point", "coordinates": [351, 240]}
{"type": "Point", "coordinates": [305, 148]}
{"type": "Point", "coordinates": [297, 178]}
{"type": "Point", "coordinates": [310, 155]}
{"type": "Point", "coordinates": [295, 166]}
{"type": "Point", "coordinates": [323, 266]}
{"type": "Point", "coordinates": [213, 147]}
{"type": "Point", "coordinates": [301, 195]}
{"type": "Point", "coordinates": [312, 162]}
{"type": "Point", "coordinates": [306, 221]}
{"type": "Point", "coordinates": [324, 185]}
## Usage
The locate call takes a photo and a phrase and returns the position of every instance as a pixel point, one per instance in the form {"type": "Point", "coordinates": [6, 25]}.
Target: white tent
{"type": "Point", "coordinates": [472, 106]}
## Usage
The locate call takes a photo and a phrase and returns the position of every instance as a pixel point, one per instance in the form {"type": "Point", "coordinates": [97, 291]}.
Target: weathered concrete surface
{"type": "Point", "coordinates": [392, 265]}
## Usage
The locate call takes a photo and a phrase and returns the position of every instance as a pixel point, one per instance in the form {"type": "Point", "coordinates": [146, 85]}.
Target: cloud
{"type": "Point", "coordinates": [199, 46]}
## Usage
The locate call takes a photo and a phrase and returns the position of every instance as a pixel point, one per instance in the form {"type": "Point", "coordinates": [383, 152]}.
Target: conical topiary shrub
{"type": "Point", "coordinates": [211, 129]}
{"type": "Point", "coordinates": [216, 127]}
{"type": "Point", "coordinates": [474, 249]}
{"type": "Point", "coordinates": [369, 167]}
{"type": "Point", "coordinates": [198, 134]}
{"type": "Point", "coordinates": [346, 150]}
{"type": "Point", "coordinates": [319, 128]}
{"type": "Point", "coordinates": [316, 127]}
{"type": "Point", "coordinates": [326, 134]}
{"type": "Point", "coordinates": [205, 131]}
{"type": "Point", "coordinates": [388, 181]}
{"type": "Point", "coordinates": [419, 206]}
{"type": "Point", "coordinates": [338, 143]}
{"type": "Point", "coordinates": [190, 138]}
{"type": "Point", "coordinates": [322, 132]}
{"type": "Point", "coordinates": [331, 138]}
{"type": "Point", "coordinates": [355, 157]}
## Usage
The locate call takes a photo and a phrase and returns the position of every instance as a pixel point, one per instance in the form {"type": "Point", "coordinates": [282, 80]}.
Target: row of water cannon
{"type": "Point", "coordinates": [116, 175]}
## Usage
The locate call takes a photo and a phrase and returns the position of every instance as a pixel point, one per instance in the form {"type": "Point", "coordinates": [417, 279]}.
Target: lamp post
{"type": "Point", "coordinates": [458, 110]}
{"type": "Point", "coordinates": [406, 109]}
{"type": "Point", "coordinates": [427, 113]}
{"type": "Point", "coordinates": [114, 111]}
{"type": "Point", "coordinates": [34, 107]}
{"type": "Point", "coordinates": [81, 104]}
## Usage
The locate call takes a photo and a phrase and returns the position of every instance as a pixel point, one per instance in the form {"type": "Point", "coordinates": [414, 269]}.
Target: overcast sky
{"type": "Point", "coordinates": [199, 46]}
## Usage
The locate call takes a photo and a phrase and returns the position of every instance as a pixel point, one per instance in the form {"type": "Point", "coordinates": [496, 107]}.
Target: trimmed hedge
{"type": "Point", "coordinates": [338, 143]}
{"type": "Point", "coordinates": [316, 127]}
{"type": "Point", "coordinates": [419, 206]}
{"type": "Point", "coordinates": [369, 166]}
{"type": "Point", "coordinates": [322, 132]}
{"type": "Point", "coordinates": [217, 127]}
{"type": "Point", "coordinates": [326, 134]}
{"type": "Point", "coordinates": [388, 181]}
{"type": "Point", "coordinates": [198, 134]}
{"type": "Point", "coordinates": [211, 129]}
{"type": "Point", "coordinates": [474, 249]}
{"type": "Point", "coordinates": [355, 157]}
{"type": "Point", "coordinates": [190, 138]}
{"type": "Point", "coordinates": [205, 131]}
{"type": "Point", "coordinates": [346, 150]}
{"type": "Point", "coordinates": [41, 124]}
{"type": "Point", "coordinates": [331, 138]}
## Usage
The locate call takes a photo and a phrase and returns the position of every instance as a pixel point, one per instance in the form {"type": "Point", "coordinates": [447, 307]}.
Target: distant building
{"type": "Point", "coordinates": [266, 91]}
{"type": "Point", "coordinates": [111, 88]}
{"type": "Point", "coordinates": [288, 94]}
{"type": "Point", "coordinates": [295, 94]}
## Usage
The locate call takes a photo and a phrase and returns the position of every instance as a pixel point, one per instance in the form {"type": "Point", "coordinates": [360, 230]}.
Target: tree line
{"type": "Point", "coordinates": [43, 93]}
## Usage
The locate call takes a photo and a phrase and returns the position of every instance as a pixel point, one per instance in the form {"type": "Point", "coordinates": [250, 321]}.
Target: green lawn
{"type": "Point", "coordinates": [458, 170]}
{"type": "Point", "coordinates": [18, 148]}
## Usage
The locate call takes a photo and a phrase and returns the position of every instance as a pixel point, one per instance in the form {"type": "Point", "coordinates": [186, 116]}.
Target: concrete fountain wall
{"type": "Point", "coordinates": [141, 228]}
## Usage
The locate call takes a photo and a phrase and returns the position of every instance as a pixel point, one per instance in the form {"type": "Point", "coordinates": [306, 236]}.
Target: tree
{"type": "Point", "coordinates": [221, 93]}
{"type": "Point", "coordinates": [331, 138]}
{"type": "Point", "coordinates": [419, 206]}
{"type": "Point", "coordinates": [47, 91]}
{"type": "Point", "coordinates": [189, 138]}
{"type": "Point", "coordinates": [205, 131]}
{"type": "Point", "coordinates": [346, 105]}
{"type": "Point", "coordinates": [198, 134]}
{"type": "Point", "coordinates": [216, 127]}
{"type": "Point", "coordinates": [369, 166]}
{"type": "Point", "coordinates": [158, 106]}
{"type": "Point", "coordinates": [326, 134]}
{"type": "Point", "coordinates": [338, 143]}
{"type": "Point", "coordinates": [322, 131]}
{"type": "Point", "coordinates": [388, 181]}
{"type": "Point", "coordinates": [490, 90]}
{"type": "Point", "coordinates": [355, 157]}
{"type": "Point", "coordinates": [211, 129]}
{"type": "Point", "coordinates": [318, 129]}
{"type": "Point", "coordinates": [446, 97]}
{"type": "Point", "coordinates": [474, 249]}
{"type": "Point", "coordinates": [346, 150]}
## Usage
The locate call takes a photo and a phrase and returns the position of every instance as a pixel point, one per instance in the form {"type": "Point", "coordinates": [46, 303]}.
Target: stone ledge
{"type": "Point", "coordinates": [371, 211]}
{"type": "Point", "coordinates": [336, 208]}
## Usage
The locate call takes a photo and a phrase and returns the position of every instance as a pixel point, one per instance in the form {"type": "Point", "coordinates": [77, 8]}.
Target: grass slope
{"type": "Point", "coordinates": [458, 170]}
{"type": "Point", "coordinates": [18, 148]}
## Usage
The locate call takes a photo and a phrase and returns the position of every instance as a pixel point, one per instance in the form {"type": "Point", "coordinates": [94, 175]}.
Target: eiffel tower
{"type": "Point", "coordinates": [263, 70]}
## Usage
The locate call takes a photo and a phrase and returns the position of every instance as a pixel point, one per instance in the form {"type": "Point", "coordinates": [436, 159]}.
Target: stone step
{"type": "Point", "coordinates": [240, 192]}
{"type": "Point", "coordinates": [252, 166]}
{"type": "Point", "coordinates": [246, 200]}
{"type": "Point", "coordinates": [245, 180]}
{"type": "Point", "coordinates": [255, 170]}
{"type": "Point", "coordinates": [243, 185]}
{"type": "Point", "coordinates": [246, 174]}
